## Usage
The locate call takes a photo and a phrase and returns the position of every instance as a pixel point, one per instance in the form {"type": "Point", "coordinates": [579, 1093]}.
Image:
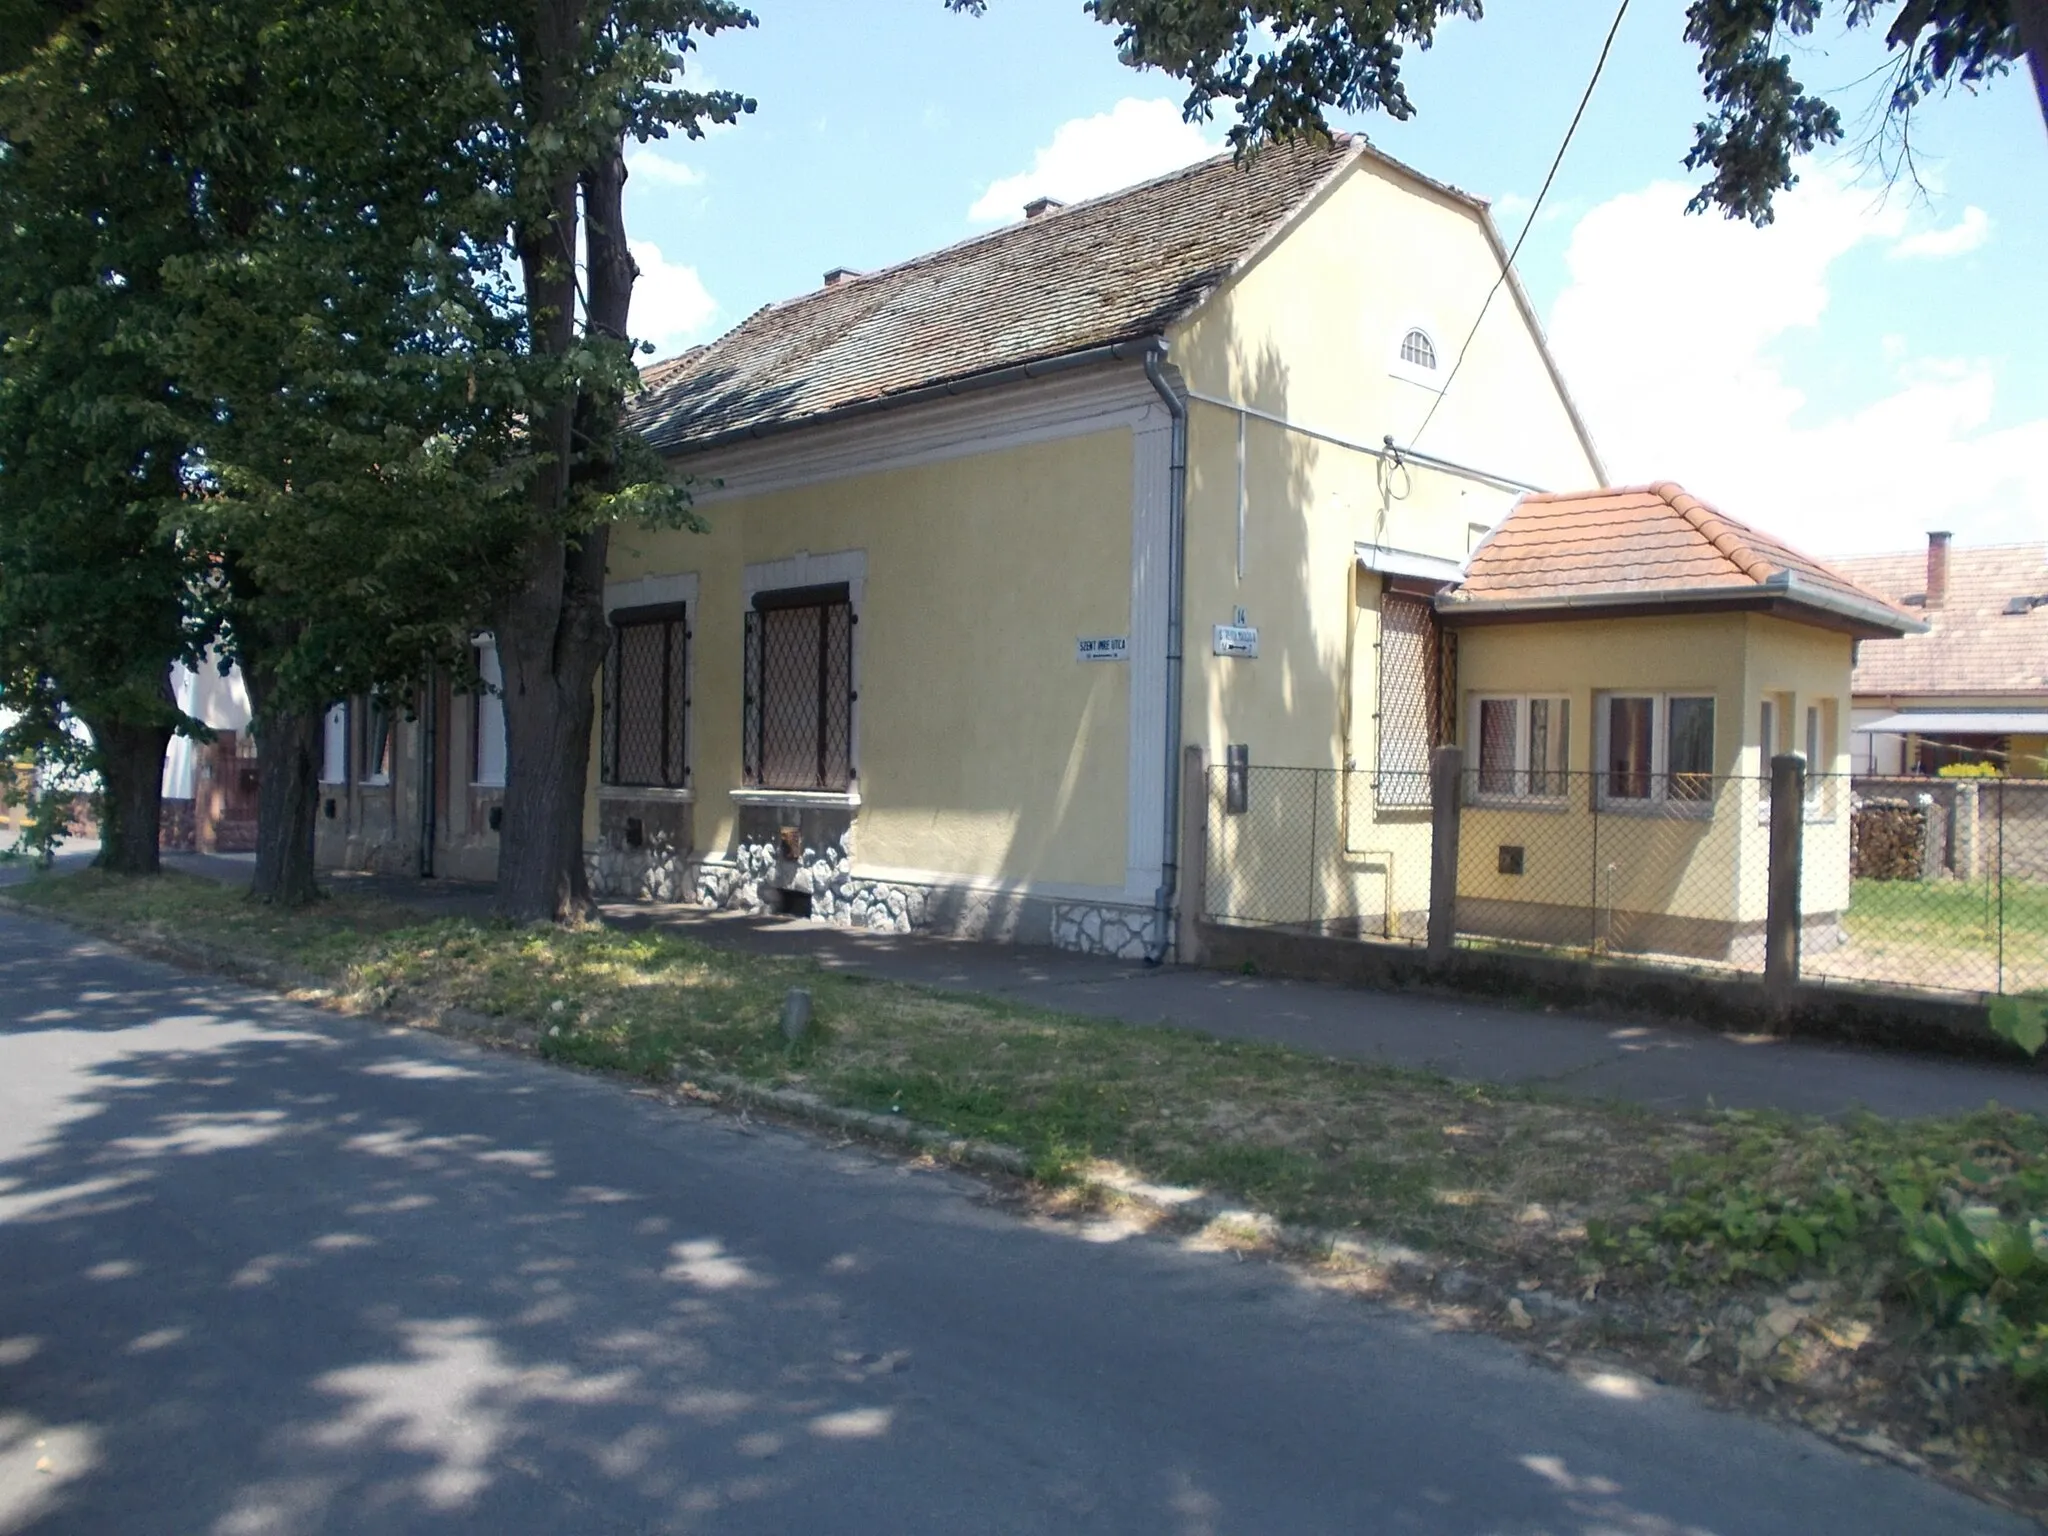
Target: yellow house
{"type": "Point", "coordinates": [994, 532]}
{"type": "Point", "coordinates": [1629, 661]}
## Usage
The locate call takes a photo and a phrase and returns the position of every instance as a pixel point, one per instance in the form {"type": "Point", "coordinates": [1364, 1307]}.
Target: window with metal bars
{"type": "Point", "coordinates": [646, 698]}
{"type": "Point", "coordinates": [1417, 681]}
{"type": "Point", "coordinates": [799, 689]}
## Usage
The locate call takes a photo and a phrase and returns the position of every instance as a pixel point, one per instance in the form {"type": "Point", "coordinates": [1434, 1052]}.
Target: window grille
{"type": "Point", "coordinates": [1418, 350]}
{"type": "Point", "coordinates": [1417, 693]}
{"type": "Point", "coordinates": [376, 742]}
{"type": "Point", "coordinates": [799, 689]}
{"type": "Point", "coordinates": [645, 699]}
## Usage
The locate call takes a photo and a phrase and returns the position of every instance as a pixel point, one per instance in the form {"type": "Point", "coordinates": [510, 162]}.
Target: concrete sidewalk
{"type": "Point", "coordinates": [1660, 1065]}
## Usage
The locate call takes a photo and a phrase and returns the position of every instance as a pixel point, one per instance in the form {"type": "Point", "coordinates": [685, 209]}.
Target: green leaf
{"type": "Point", "coordinates": [2023, 1020]}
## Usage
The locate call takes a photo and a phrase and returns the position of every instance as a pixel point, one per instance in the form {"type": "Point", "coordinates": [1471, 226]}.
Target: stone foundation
{"type": "Point", "coordinates": [819, 882]}
{"type": "Point", "coordinates": [1125, 933]}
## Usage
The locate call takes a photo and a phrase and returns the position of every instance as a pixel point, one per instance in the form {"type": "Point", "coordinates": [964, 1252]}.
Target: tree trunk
{"type": "Point", "coordinates": [288, 744]}
{"type": "Point", "coordinates": [2031, 17]}
{"type": "Point", "coordinates": [131, 764]}
{"type": "Point", "coordinates": [553, 634]}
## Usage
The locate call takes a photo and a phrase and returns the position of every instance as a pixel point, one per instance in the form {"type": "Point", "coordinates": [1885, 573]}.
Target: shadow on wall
{"type": "Point", "coordinates": [1307, 852]}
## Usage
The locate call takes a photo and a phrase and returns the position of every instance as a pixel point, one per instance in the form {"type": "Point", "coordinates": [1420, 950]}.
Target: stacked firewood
{"type": "Point", "coordinates": [1888, 840]}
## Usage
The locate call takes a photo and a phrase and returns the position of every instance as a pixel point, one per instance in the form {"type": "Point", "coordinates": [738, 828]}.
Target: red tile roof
{"type": "Point", "coordinates": [1973, 646]}
{"type": "Point", "coordinates": [1115, 269]}
{"type": "Point", "coordinates": [1650, 545]}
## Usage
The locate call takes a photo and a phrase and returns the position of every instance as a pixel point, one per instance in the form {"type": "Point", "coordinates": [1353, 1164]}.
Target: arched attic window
{"type": "Point", "coordinates": [1417, 350]}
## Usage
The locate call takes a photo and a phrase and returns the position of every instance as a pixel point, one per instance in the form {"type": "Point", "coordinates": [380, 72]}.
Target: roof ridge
{"type": "Point", "coordinates": [911, 263]}
{"type": "Point", "coordinates": [1718, 529]}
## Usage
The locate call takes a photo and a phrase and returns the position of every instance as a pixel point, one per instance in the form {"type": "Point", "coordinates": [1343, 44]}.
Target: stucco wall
{"type": "Point", "coordinates": [1310, 333]}
{"type": "Point", "coordinates": [1707, 868]}
{"type": "Point", "coordinates": [984, 750]}
{"type": "Point", "coordinates": [1312, 330]}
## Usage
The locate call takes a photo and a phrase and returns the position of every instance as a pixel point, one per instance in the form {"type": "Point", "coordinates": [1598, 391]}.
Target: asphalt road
{"type": "Point", "coordinates": [266, 1270]}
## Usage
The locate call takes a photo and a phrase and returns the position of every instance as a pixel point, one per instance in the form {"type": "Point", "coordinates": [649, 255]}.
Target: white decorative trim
{"type": "Point", "coordinates": [1070, 406]}
{"type": "Point", "coordinates": [990, 885]}
{"type": "Point", "coordinates": [804, 569]}
{"type": "Point", "coordinates": [646, 792]}
{"type": "Point", "coordinates": [1151, 536]}
{"type": "Point", "coordinates": [647, 591]}
{"type": "Point", "coordinates": [828, 798]}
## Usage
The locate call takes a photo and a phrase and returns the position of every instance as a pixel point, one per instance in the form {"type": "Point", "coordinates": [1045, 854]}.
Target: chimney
{"type": "Point", "coordinates": [1039, 207]}
{"type": "Point", "coordinates": [1937, 569]}
{"type": "Point", "coordinates": [840, 275]}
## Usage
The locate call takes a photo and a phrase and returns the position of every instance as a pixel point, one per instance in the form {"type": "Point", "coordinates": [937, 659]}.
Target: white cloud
{"type": "Point", "coordinates": [1672, 331]}
{"type": "Point", "coordinates": [648, 166]}
{"type": "Point", "coordinates": [1959, 239]}
{"type": "Point", "coordinates": [671, 306]}
{"type": "Point", "coordinates": [1088, 156]}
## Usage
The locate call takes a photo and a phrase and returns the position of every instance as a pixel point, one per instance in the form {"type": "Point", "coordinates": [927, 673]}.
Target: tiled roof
{"type": "Point", "coordinates": [1647, 544]}
{"type": "Point", "coordinates": [1972, 645]}
{"type": "Point", "coordinates": [1115, 269]}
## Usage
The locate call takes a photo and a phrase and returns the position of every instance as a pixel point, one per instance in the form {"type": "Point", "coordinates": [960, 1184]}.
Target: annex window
{"type": "Point", "coordinates": [487, 719]}
{"type": "Point", "coordinates": [646, 699]}
{"type": "Point", "coordinates": [334, 746]}
{"type": "Point", "coordinates": [1418, 351]}
{"type": "Point", "coordinates": [376, 742]}
{"type": "Point", "coordinates": [1416, 666]}
{"type": "Point", "coordinates": [1523, 746]}
{"type": "Point", "coordinates": [799, 689]}
{"type": "Point", "coordinates": [1656, 749]}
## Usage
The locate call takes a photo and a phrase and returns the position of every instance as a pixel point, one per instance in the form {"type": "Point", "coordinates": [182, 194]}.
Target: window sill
{"type": "Point", "coordinates": [1659, 810]}
{"type": "Point", "coordinates": [1550, 803]}
{"type": "Point", "coordinates": [846, 799]}
{"type": "Point", "coordinates": [645, 792]}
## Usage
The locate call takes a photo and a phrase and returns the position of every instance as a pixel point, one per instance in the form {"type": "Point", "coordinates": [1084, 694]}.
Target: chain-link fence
{"type": "Point", "coordinates": [1948, 885]}
{"type": "Point", "coordinates": [1673, 866]}
{"type": "Point", "coordinates": [1312, 849]}
{"type": "Point", "coordinates": [1924, 883]}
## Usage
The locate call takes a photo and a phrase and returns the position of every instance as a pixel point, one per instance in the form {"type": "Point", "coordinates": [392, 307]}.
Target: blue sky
{"type": "Point", "coordinates": [1874, 365]}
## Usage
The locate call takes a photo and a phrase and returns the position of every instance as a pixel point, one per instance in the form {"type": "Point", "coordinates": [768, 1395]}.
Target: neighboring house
{"type": "Point", "coordinates": [1635, 655]}
{"type": "Point", "coordinates": [416, 790]}
{"type": "Point", "coordinates": [1974, 687]}
{"type": "Point", "coordinates": [995, 531]}
{"type": "Point", "coordinates": [210, 788]}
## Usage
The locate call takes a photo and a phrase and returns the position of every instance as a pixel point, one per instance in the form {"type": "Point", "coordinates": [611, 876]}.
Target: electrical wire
{"type": "Point", "coordinates": [1535, 208]}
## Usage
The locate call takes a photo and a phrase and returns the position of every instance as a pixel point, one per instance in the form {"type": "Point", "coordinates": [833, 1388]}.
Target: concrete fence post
{"type": "Point", "coordinates": [1788, 827]}
{"type": "Point", "coordinates": [1446, 794]}
{"type": "Point", "coordinates": [1194, 854]}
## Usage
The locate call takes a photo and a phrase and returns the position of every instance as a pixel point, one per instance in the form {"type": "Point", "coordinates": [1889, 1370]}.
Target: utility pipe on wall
{"type": "Point", "coordinates": [1176, 517]}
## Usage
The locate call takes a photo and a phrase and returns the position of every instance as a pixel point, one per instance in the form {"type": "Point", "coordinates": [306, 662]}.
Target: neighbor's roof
{"type": "Point", "coordinates": [1653, 547]}
{"type": "Point", "coordinates": [1972, 645]}
{"type": "Point", "coordinates": [1115, 269]}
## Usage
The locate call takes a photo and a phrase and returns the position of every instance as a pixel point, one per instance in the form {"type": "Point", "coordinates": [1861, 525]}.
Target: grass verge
{"type": "Point", "coordinates": [1885, 1282]}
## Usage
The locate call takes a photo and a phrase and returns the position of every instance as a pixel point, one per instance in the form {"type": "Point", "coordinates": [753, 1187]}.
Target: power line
{"type": "Point", "coordinates": [1535, 208]}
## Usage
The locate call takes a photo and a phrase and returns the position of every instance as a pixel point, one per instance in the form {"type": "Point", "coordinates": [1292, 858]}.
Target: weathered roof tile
{"type": "Point", "coordinates": [1973, 646]}
{"type": "Point", "coordinates": [1115, 269]}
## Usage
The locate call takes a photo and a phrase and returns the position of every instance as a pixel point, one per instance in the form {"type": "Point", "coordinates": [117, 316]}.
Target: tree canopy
{"type": "Point", "coordinates": [1286, 65]}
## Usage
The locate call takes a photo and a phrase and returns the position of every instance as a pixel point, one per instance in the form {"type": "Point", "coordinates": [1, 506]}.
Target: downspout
{"type": "Point", "coordinates": [1176, 560]}
{"type": "Point", "coordinates": [429, 755]}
